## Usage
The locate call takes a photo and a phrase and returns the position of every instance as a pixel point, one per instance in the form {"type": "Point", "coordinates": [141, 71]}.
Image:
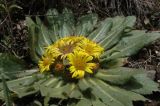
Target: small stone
{"type": "Point", "coordinates": [18, 27]}
{"type": "Point", "coordinates": [157, 53]}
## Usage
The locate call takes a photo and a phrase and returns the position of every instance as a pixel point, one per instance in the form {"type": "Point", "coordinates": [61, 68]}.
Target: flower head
{"type": "Point", "coordinates": [53, 50]}
{"type": "Point", "coordinates": [66, 45]}
{"type": "Point", "coordinates": [77, 52]}
{"type": "Point", "coordinates": [46, 62]}
{"type": "Point", "coordinates": [90, 47]}
{"type": "Point", "coordinates": [80, 63]}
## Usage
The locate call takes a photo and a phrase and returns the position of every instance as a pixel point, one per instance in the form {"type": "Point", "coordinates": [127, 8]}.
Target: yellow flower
{"type": "Point", "coordinates": [46, 62]}
{"type": "Point", "coordinates": [53, 50]}
{"type": "Point", "coordinates": [76, 51]}
{"type": "Point", "coordinates": [80, 63]}
{"type": "Point", "coordinates": [90, 47]}
{"type": "Point", "coordinates": [66, 45]}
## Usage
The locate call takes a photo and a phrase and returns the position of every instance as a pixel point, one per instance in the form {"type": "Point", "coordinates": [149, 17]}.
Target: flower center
{"type": "Point", "coordinates": [66, 49]}
{"type": "Point", "coordinates": [47, 61]}
{"type": "Point", "coordinates": [79, 65]}
{"type": "Point", "coordinates": [59, 67]}
{"type": "Point", "coordinates": [89, 49]}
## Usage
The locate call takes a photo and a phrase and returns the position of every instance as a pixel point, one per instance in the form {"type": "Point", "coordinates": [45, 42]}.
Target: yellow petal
{"type": "Point", "coordinates": [89, 70]}
{"type": "Point", "coordinates": [74, 74]}
{"type": "Point", "coordinates": [81, 74]}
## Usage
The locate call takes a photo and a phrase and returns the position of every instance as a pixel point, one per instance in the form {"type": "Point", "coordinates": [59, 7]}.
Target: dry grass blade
{"type": "Point", "coordinates": [114, 7]}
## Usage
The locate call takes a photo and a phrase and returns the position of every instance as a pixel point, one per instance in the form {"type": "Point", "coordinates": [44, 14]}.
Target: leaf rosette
{"type": "Point", "coordinates": [84, 60]}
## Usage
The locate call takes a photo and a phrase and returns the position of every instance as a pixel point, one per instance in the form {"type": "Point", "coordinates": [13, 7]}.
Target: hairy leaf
{"type": "Point", "coordinates": [115, 63]}
{"type": "Point", "coordinates": [84, 102]}
{"type": "Point", "coordinates": [117, 31]}
{"type": "Point", "coordinates": [68, 23]}
{"type": "Point", "coordinates": [61, 24]}
{"type": "Point", "coordinates": [21, 86]}
{"type": "Point", "coordinates": [101, 30]}
{"type": "Point", "coordinates": [32, 39]}
{"type": "Point", "coordinates": [56, 88]}
{"type": "Point", "coordinates": [86, 24]}
{"type": "Point", "coordinates": [130, 44]}
{"type": "Point", "coordinates": [111, 95]}
{"type": "Point", "coordinates": [11, 65]}
{"type": "Point", "coordinates": [118, 76]}
{"type": "Point", "coordinates": [6, 92]}
{"type": "Point", "coordinates": [89, 102]}
{"type": "Point", "coordinates": [52, 17]}
{"type": "Point", "coordinates": [142, 84]}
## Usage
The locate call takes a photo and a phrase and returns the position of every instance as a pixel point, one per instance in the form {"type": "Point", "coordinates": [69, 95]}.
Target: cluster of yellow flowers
{"type": "Point", "coordinates": [77, 52]}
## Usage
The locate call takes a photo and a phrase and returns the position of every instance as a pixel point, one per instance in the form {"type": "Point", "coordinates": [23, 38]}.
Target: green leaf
{"type": "Point", "coordinates": [11, 65]}
{"type": "Point", "coordinates": [2, 7]}
{"type": "Point", "coordinates": [115, 63]}
{"type": "Point", "coordinates": [37, 103]}
{"type": "Point", "coordinates": [112, 95]}
{"type": "Point", "coordinates": [83, 84]}
{"type": "Point", "coordinates": [59, 90]}
{"type": "Point", "coordinates": [6, 92]}
{"type": "Point", "coordinates": [117, 31]}
{"type": "Point", "coordinates": [32, 39]}
{"type": "Point", "coordinates": [55, 105]}
{"type": "Point", "coordinates": [17, 82]}
{"type": "Point", "coordinates": [142, 84]}
{"type": "Point", "coordinates": [46, 100]}
{"type": "Point", "coordinates": [97, 102]}
{"type": "Point", "coordinates": [50, 82]}
{"type": "Point", "coordinates": [24, 91]}
{"type": "Point", "coordinates": [117, 76]}
{"type": "Point", "coordinates": [40, 37]}
{"type": "Point", "coordinates": [62, 24]}
{"type": "Point", "coordinates": [68, 23]}
{"type": "Point", "coordinates": [90, 102]}
{"type": "Point", "coordinates": [76, 93]}
{"type": "Point", "coordinates": [65, 30]}
{"type": "Point", "coordinates": [14, 6]}
{"type": "Point", "coordinates": [130, 44]}
{"type": "Point", "coordinates": [84, 102]}
{"type": "Point", "coordinates": [101, 30]}
{"type": "Point", "coordinates": [22, 86]}
{"type": "Point", "coordinates": [25, 73]}
{"type": "Point", "coordinates": [43, 38]}
{"type": "Point", "coordinates": [86, 24]}
{"type": "Point", "coordinates": [68, 17]}
{"type": "Point", "coordinates": [109, 94]}
{"type": "Point", "coordinates": [52, 17]}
